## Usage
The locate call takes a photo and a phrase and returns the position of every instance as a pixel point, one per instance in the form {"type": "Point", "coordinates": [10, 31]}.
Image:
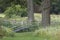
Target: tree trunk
{"type": "Point", "coordinates": [30, 10]}
{"type": "Point", "coordinates": [46, 13]}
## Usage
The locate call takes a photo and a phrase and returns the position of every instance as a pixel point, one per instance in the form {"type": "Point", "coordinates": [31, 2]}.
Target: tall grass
{"type": "Point", "coordinates": [51, 32]}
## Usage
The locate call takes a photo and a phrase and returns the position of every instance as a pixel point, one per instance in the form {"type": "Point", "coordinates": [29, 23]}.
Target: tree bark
{"type": "Point", "coordinates": [46, 13]}
{"type": "Point", "coordinates": [30, 10]}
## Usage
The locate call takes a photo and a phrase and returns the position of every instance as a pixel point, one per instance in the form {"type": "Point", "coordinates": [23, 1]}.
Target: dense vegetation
{"type": "Point", "coordinates": [18, 20]}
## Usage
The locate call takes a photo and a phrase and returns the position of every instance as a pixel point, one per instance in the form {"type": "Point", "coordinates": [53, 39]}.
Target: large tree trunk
{"type": "Point", "coordinates": [46, 13]}
{"type": "Point", "coordinates": [30, 10]}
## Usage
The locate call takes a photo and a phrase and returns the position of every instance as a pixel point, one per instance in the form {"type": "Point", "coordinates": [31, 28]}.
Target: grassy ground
{"type": "Point", "coordinates": [32, 36]}
{"type": "Point", "coordinates": [53, 32]}
{"type": "Point", "coordinates": [24, 36]}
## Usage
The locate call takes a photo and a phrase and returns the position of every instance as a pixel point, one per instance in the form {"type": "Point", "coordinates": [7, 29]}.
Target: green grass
{"type": "Point", "coordinates": [53, 33]}
{"type": "Point", "coordinates": [49, 33]}
{"type": "Point", "coordinates": [23, 36]}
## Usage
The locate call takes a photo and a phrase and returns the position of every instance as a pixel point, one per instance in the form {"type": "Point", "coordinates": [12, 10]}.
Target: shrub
{"type": "Point", "coordinates": [50, 32]}
{"type": "Point", "coordinates": [15, 10]}
{"type": "Point", "coordinates": [5, 22]}
{"type": "Point", "coordinates": [6, 32]}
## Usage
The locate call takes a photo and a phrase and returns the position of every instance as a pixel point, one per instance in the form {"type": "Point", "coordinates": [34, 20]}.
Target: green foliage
{"type": "Point", "coordinates": [48, 33]}
{"type": "Point", "coordinates": [6, 32]}
{"type": "Point", "coordinates": [30, 36]}
{"type": "Point", "coordinates": [5, 22]}
{"type": "Point", "coordinates": [37, 2]}
{"type": "Point", "coordinates": [15, 10]}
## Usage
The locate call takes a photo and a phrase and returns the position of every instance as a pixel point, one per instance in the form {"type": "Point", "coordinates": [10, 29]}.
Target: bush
{"type": "Point", "coordinates": [7, 32]}
{"type": "Point", "coordinates": [5, 22]}
{"type": "Point", "coordinates": [15, 10]}
{"type": "Point", "coordinates": [49, 32]}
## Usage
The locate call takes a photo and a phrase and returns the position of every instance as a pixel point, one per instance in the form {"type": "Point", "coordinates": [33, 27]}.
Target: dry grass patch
{"type": "Point", "coordinates": [50, 32]}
